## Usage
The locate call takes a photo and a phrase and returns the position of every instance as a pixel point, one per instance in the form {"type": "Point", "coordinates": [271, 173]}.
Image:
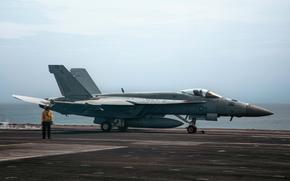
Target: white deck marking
{"type": "Point", "coordinates": [168, 143]}
{"type": "Point", "coordinates": [33, 150]}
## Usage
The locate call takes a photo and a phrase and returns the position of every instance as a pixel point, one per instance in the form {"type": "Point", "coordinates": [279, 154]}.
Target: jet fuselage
{"type": "Point", "coordinates": [208, 108]}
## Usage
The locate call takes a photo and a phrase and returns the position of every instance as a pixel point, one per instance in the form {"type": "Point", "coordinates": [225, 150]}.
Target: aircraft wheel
{"type": "Point", "coordinates": [106, 126]}
{"type": "Point", "coordinates": [191, 129]}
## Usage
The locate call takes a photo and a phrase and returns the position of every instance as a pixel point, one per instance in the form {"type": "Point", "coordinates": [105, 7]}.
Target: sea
{"type": "Point", "coordinates": [30, 114]}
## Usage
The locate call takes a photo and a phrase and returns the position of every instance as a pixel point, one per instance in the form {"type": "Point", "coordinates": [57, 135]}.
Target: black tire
{"type": "Point", "coordinates": [106, 126]}
{"type": "Point", "coordinates": [191, 129]}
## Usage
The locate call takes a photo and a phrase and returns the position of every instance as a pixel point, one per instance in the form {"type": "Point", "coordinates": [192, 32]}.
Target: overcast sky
{"type": "Point", "coordinates": [240, 48]}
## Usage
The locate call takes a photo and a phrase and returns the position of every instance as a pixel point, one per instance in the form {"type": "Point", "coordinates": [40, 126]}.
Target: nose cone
{"type": "Point", "coordinates": [255, 111]}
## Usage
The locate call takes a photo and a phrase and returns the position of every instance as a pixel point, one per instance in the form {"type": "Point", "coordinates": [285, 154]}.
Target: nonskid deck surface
{"type": "Point", "coordinates": [84, 153]}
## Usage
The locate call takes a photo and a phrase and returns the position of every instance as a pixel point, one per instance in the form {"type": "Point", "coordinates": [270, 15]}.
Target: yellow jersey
{"type": "Point", "coordinates": [47, 116]}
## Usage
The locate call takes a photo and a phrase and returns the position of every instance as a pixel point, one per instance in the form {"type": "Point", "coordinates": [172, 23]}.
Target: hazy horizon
{"type": "Point", "coordinates": [239, 49]}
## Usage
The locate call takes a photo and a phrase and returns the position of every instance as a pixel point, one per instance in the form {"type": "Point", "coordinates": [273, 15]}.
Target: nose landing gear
{"type": "Point", "coordinates": [192, 128]}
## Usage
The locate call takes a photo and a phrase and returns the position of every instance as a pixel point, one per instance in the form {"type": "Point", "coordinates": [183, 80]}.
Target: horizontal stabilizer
{"type": "Point", "coordinates": [32, 100]}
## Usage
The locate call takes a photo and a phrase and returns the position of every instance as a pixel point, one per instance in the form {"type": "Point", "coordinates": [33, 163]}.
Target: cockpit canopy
{"type": "Point", "coordinates": [201, 93]}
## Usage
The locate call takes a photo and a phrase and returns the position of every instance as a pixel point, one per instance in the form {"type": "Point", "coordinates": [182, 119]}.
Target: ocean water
{"type": "Point", "coordinates": [29, 113]}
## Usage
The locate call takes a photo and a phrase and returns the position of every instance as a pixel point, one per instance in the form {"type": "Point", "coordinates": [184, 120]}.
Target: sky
{"type": "Point", "coordinates": [239, 49]}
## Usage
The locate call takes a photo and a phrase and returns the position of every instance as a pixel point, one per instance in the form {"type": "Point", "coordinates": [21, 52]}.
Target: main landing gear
{"type": "Point", "coordinates": [106, 126]}
{"type": "Point", "coordinates": [121, 124]}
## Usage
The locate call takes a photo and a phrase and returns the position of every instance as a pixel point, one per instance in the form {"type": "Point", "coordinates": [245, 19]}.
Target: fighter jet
{"type": "Point", "coordinates": [82, 97]}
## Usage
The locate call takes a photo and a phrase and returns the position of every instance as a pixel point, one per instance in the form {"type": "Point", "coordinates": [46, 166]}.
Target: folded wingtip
{"type": "Point", "coordinates": [32, 100]}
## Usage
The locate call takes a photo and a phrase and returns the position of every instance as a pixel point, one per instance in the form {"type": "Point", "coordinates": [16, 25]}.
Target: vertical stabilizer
{"type": "Point", "coordinates": [69, 86]}
{"type": "Point", "coordinates": [85, 79]}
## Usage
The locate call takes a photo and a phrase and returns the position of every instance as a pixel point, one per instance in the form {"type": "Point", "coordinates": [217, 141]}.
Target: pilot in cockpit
{"type": "Point", "coordinates": [201, 93]}
{"type": "Point", "coordinates": [197, 92]}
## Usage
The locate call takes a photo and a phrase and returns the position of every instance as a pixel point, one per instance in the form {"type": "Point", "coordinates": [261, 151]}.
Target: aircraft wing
{"type": "Point", "coordinates": [32, 100]}
{"type": "Point", "coordinates": [121, 101]}
{"type": "Point", "coordinates": [107, 101]}
{"type": "Point", "coordinates": [141, 101]}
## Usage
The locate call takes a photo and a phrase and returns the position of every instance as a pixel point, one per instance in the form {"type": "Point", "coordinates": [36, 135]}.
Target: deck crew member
{"type": "Point", "coordinates": [46, 118]}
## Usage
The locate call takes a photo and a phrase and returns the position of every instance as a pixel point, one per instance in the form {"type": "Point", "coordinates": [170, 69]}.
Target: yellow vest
{"type": "Point", "coordinates": [47, 116]}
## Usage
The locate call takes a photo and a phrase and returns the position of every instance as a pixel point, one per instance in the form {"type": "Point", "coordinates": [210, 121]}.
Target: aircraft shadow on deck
{"type": "Point", "coordinates": [130, 131]}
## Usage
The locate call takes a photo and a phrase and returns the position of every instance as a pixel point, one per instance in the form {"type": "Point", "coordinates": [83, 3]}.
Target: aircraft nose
{"type": "Point", "coordinates": [256, 111]}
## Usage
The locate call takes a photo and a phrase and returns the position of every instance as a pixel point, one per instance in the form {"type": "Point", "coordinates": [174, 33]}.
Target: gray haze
{"type": "Point", "coordinates": [240, 49]}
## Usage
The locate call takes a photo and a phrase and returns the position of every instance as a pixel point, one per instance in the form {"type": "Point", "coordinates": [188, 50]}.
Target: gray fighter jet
{"type": "Point", "coordinates": [82, 97]}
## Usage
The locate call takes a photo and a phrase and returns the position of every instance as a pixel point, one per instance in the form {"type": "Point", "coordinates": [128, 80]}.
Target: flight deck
{"type": "Point", "coordinates": [85, 153]}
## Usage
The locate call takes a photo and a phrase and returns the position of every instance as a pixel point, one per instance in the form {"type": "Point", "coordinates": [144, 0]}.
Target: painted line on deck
{"type": "Point", "coordinates": [163, 142]}
{"type": "Point", "coordinates": [34, 150]}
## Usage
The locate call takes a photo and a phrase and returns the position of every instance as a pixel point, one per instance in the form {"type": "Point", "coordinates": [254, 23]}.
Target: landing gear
{"type": "Point", "coordinates": [192, 128]}
{"type": "Point", "coordinates": [191, 121]}
{"type": "Point", "coordinates": [106, 126]}
{"type": "Point", "coordinates": [119, 123]}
